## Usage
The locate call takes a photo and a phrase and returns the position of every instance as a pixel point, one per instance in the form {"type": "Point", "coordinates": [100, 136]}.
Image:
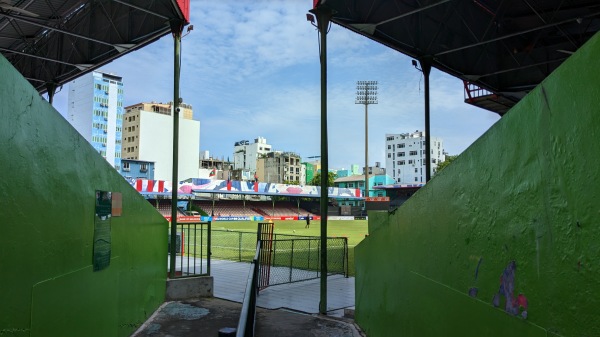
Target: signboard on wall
{"type": "Point", "coordinates": [102, 238]}
{"type": "Point", "coordinates": [377, 203]}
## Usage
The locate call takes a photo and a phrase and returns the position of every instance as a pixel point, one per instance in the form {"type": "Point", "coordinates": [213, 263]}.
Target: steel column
{"type": "Point", "coordinates": [323, 19]}
{"type": "Point", "coordinates": [426, 68]}
{"type": "Point", "coordinates": [176, 29]}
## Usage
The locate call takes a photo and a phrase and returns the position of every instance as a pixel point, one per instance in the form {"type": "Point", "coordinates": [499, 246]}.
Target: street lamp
{"type": "Point", "coordinates": [366, 93]}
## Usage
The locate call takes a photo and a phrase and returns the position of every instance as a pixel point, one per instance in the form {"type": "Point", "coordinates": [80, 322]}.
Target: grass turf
{"type": "Point", "coordinates": [354, 230]}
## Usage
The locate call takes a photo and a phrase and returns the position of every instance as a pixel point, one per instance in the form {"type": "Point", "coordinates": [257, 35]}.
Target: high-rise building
{"type": "Point", "coordinates": [95, 109]}
{"type": "Point", "coordinates": [245, 154]}
{"type": "Point", "coordinates": [280, 167]}
{"type": "Point", "coordinates": [405, 152]}
{"type": "Point", "coordinates": [148, 136]}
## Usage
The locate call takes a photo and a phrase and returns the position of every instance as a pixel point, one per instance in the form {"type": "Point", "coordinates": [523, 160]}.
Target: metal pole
{"type": "Point", "coordinates": [366, 93]}
{"type": "Point", "coordinates": [208, 249]}
{"type": "Point", "coordinates": [51, 87]}
{"type": "Point", "coordinates": [292, 260]}
{"type": "Point", "coordinates": [426, 67]}
{"type": "Point", "coordinates": [323, 16]}
{"type": "Point", "coordinates": [366, 151]}
{"type": "Point", "coordinates": [176, 29]}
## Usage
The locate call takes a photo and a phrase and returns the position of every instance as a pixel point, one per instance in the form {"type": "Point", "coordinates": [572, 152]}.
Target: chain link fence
{"type": "Point", "coordinates": [294, 257]}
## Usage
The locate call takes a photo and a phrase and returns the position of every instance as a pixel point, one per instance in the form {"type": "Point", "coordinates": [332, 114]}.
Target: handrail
{"type": "Point", "coordinates": [245, 326]}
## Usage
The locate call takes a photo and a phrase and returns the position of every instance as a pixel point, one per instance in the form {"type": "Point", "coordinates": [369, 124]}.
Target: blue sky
{"type": "Point", "coordinates": [251, 69]}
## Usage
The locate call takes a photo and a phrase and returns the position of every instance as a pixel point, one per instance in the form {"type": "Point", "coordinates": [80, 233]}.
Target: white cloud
{"type": "Point", "coordinates": [252, 69]}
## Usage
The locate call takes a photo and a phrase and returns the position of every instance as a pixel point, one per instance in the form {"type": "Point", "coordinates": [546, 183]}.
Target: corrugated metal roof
{"type": "Point", "coordinates": [55, 41]}
{"type": "Point", "coordinates": [506, 47]}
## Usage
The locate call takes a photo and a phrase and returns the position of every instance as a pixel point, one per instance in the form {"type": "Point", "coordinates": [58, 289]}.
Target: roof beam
{"type": "Point", "coordinates": [370, 27]}
{"type": "Point", "coordinates": [413, 12]}
{"type": "Point", "coordinates": [36, 56]}
{"type": "Point", "coordinates": [514, 34]}
{"type": "Point", "coordinates": [567, 36]}
{"type": "Point", "coordinates": [477, 77]}
{"type": "Point", "coordinates": [66, 32]}
{"type": "Point", "coordinates": [141, 9]}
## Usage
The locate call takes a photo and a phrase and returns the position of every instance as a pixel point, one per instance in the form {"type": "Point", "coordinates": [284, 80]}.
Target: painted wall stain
{"type": "Point", "coordinates": [514, 305]}
{"type": "Point", "coordinates": [12, 331]}
{"type": "Point", "coordinates": [473, 290]}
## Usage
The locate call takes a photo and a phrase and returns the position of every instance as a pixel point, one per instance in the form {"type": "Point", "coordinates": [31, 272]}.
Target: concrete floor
{"type": "Point", "coordinates": [283, 310]}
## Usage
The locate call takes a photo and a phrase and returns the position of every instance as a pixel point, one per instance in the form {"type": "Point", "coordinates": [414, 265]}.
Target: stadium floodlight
{"type": "Point", "coordinates": [366, 93]}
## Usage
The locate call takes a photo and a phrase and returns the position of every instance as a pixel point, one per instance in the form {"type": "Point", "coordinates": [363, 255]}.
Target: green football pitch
{"type": "Point", "coordinates": [354, 230]}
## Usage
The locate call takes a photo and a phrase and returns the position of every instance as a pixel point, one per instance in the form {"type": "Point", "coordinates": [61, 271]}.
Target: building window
{"type": "Point", "coordinates": [389, 155]}
{"type": "Point", "coordinates": [410, 161]}
{"type": "Point", "coordinates": [389, 147]}
{"type": "Point", "coordinates": [416, 170]}
{"type": "Point", "coordinates": [398, 171]}
{"type": "Point", "coordinates": [416, 178]}
{"type": "Point", "coordinates": [125, 166]}
{"type": "Point", "coordinates": [401, 154]}
{"type": "Point", "coordinates": [402, 145]}
{"type": "Point", "coordinates": [413, 153]}
{"type": "Point", "coordinates": [144, 167]}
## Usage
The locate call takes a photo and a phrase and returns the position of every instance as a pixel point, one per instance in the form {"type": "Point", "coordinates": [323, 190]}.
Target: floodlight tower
{"type": "Point", "coordinates": [366, 93]}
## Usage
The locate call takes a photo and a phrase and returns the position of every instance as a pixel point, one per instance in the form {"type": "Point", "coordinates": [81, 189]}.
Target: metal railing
{"type": "Point", "coordinates": [298, 259]}
{"type": "Point", "coordinates": [247, 320]}
{"type": "Point", "coordinates": [473, 91]}
{"type": "Point", "coordinates": [193, 249]}
{"type": "Point", "coordinates": [294, 257]}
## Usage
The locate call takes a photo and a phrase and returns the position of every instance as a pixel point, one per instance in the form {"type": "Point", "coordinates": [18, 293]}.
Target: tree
{"type": "Point", "coordinates": [316, 181]}
{"type": "Point", "coordinates": [449, 159]}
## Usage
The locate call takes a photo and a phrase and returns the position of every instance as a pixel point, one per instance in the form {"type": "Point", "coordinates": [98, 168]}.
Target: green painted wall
{"type": "Point", "coordinates": [48, 178]}
{"type": "Point", "coordinates": [527, 191]}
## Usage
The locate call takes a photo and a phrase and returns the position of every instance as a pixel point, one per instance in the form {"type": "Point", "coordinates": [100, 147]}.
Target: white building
{"type": "Point", "coordinates": [405, 153]}
{"type": "Point", "coordinates": [245, 154]}
{"type": "Point", "coordinates": [95, 109]}
{"type": "Point", "coordinates": [148, 136]}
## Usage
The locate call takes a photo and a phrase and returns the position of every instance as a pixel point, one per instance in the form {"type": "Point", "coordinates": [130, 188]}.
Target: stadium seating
{"type": "Point", "coordinates": [237, 208]}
